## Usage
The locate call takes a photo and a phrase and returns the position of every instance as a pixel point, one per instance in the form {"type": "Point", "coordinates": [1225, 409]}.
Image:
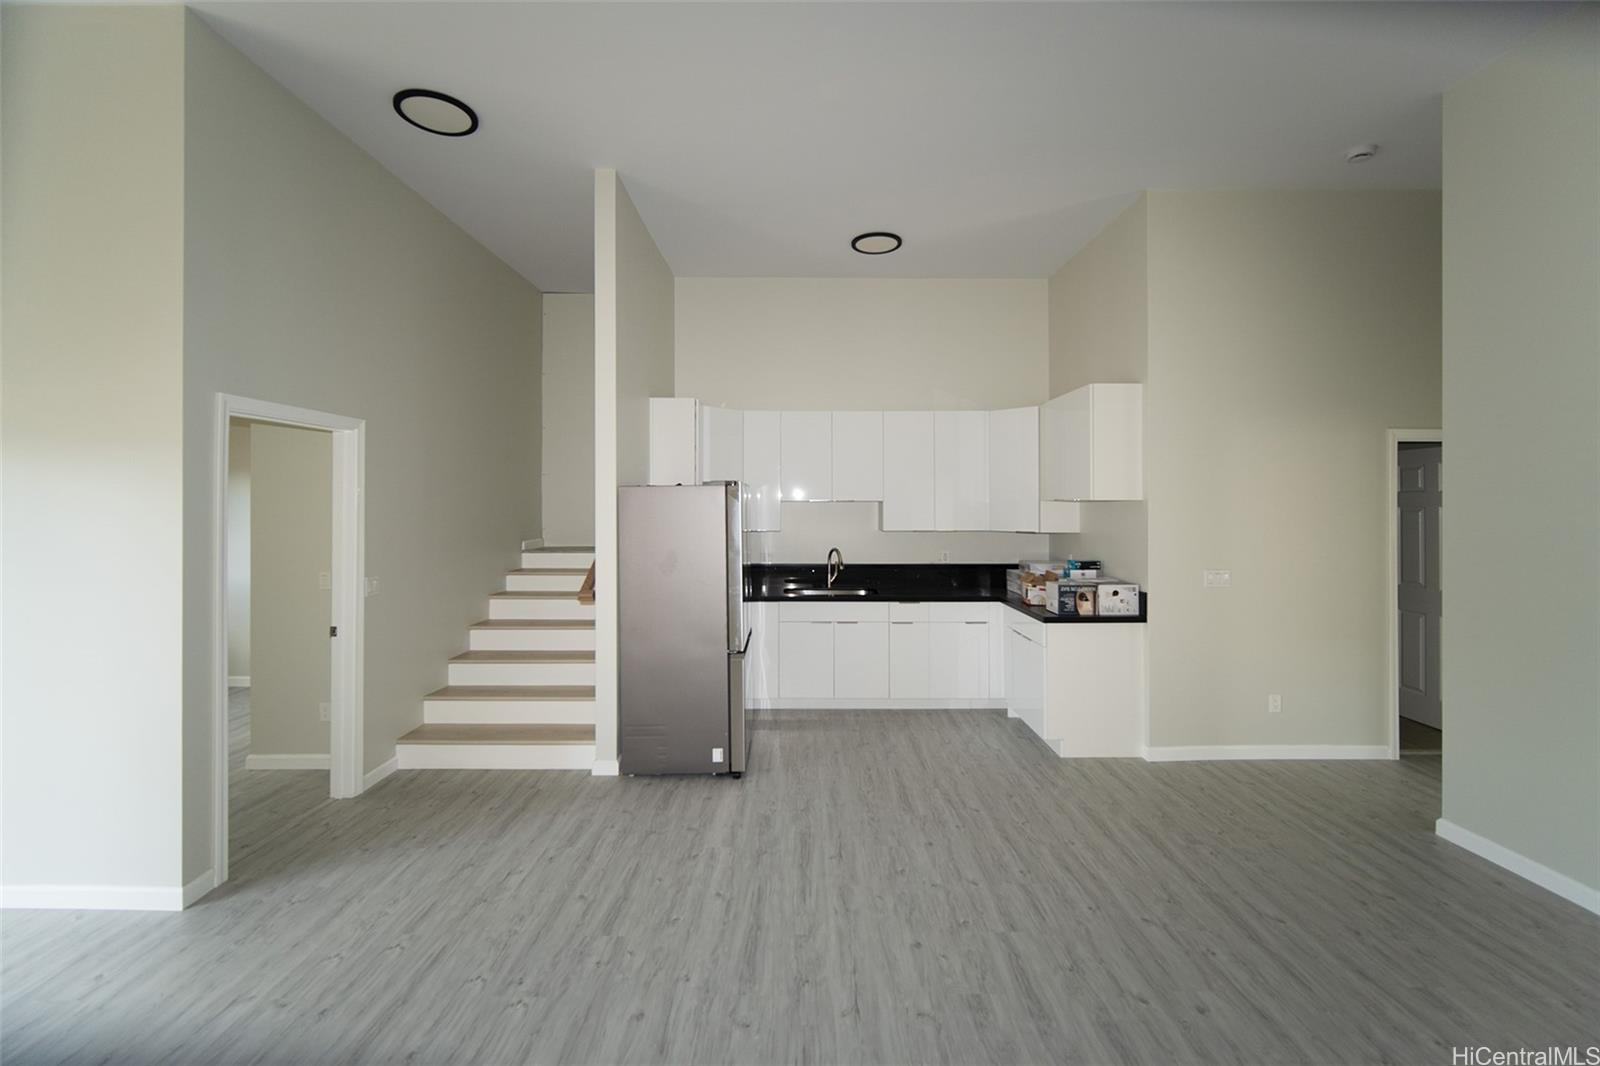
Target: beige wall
{"type": "Point", "coordinates": [91, 433]}
{"type": "Point", "coordinates": [567, 483]}
{"type": "Point", "coordinates": [291, 533]}
{"type": "Point", "coordinates": [1288, 333]}
{"type": "Point", "coordinates": [633, 362]}
{"type": "Point", "coordinates": [865, 344]}
{"type": "Point", "coordinates": [1521, 420]}
{"type": "Point", "coordinates": [1100, 332]}
{"type": "Point", "coordinates": [316, 278]}
{"type": "Point", "coordinates": [238, 551]}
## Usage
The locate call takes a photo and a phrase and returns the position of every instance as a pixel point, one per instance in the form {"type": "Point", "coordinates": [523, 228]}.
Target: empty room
{"type": "Point", "coordinates": [785, 532]}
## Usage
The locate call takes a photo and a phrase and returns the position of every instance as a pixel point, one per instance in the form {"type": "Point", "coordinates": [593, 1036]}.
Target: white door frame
{"type": "Point", "coordinates": [1392, 598]}
{"type": "Point", "coordinates": [345, 711]}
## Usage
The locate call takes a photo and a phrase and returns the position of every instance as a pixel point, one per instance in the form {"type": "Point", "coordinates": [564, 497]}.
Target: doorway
{"type": "Point", "coordinates": [1416, 464]}
{"type": "Point", "coordinates": [288, 522]}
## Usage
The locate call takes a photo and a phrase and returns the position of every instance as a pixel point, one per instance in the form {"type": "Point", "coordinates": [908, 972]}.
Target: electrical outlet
{"type": "Point", "coordinates": [1274, 704]}
{"type": "Point", "coordinates": [322, 709]}
{"type": "Point", "coordinates": [372, 586]}
{"type": "Point", "coordinates": [1218, 579]}
{"type": "Point", "coordinates": [944, 557]}
{"type": "Point", "coordinates": [324, 580]}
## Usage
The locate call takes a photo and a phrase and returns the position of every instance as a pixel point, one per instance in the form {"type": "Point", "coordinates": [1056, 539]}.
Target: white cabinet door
{"type": "Point", "coordinates": [861, 660]}
{"type": "Point", "coordinates": [959, 660]}
{"type": "Point", "coordinates": [805, 660]}
{"type": "Point", "coordinates": [1014, 470]}
{"type": "Point", "coordinates": [1025, 679]}
{"type": "Point", "coordinates": [858, 455]}
{"type": "Point", "coordinates": [1092, 444]}
{"type": "Point", "coordinates": [673, 437]}
{"type": "Point", "coordinates": [721, 444]}
{"type": "Point", "coordinates": [961, 469]}
{"type": "Point", "coordinates": [807, 455]}
{"type": "Point", "coordinates": [762, 482]}
{"type": "Point", "coordinates": [761, 656]}
{"type": "Point", "coordinates": [908, 660]}
{"type": "Point", "coordinates": [997, 650]}
{"type": "Point", "coordinates": [908, 470]}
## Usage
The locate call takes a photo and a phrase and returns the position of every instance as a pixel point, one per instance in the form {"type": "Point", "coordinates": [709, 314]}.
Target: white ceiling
{"type": "Point", "coordinates": [756, 139]}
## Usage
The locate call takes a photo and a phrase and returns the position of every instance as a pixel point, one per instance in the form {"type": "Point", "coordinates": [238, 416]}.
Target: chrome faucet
{"type": "Point", "coordinates": [835, 565]}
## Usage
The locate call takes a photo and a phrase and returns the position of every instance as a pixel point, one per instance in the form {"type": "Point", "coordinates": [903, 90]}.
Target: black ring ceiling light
{"type": "Point", "coordinates": [878, 242]}
{"type": "Point", "coordinates": [435, 112]}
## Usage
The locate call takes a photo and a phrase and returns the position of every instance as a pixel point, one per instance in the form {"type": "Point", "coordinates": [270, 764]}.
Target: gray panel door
{"type": "Point", "coordinates": [1417, 511]}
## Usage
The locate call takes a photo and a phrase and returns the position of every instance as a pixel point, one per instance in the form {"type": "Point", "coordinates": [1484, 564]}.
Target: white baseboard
{"type": "Point", "coordinates": [792, 703]}
{"type": "Point", "coordinates": [197, 888]}
{"type": "Point", "coordinates": [379, 772]}
{"type": "Point", "coordinates": [239, 681]}
{"type": "Point", "coordinates": [93, 897]}
{"type": "Point", "coordinates": [1568, 888]}
{"type": "Point", "coordinates": [606, 768]}
{"type": "Point", "coordinates": [1266, 752]}
{"type": "Point", "coordinates": [287, 762]}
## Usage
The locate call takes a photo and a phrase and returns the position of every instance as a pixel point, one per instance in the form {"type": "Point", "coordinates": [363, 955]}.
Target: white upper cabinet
{"type": "Point", "coordinates": [807, 455]}
{"type": "Point", "coordinates": [858, 455]}
{"type": "Point", "coordinates": [1093, 444]}
{"type": "Point", "coordinates": [672, 440]}
{"type": "Point", "coordinates": [908, 470]}
{"type": "Point", "coordinates": [1015, 502]}
{"type": "Point", "coordinates": [762, 482]}
{"type": "Point", "coordinates": [961, 470]}
{"type": "Point", "coordinates": [721, 444]}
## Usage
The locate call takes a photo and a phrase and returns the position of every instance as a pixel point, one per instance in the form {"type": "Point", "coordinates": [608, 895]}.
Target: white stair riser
{"type": "Point", "coordinates": [557, 608]}
{"type": "Point", "coordinates": [495, 756]}
{"type": "Point", "coordinates": [535, 560]}
{"type": "Point", "coordinates": [530, 640]}
{"type": "Point", "coordinates": [544, 582]}
{"type": "Point", "coordinates": [521, 673]}
{"type": "Point", "coordinates": [508, 712]}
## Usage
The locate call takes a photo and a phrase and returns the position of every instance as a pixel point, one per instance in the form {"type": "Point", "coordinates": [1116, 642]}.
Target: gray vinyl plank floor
{"type": "Point", "coordinates": [881, 887]}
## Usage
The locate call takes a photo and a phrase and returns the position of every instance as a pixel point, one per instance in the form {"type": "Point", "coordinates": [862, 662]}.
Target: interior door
{"type": "Point", "coordinates": [1417, 512]}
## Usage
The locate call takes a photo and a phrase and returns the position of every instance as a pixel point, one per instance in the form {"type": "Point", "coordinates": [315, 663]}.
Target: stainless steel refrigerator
{"type": "Point", "coordinates": [682, 635]}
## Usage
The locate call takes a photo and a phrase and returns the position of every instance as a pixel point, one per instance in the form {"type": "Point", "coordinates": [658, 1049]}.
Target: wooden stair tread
{"type": "Point", "coordinates": [557, 655]}
{"type": "Point", "coordinates": [553, 549]}
{"type": "Point", "coordinates": [513, 692]}
{"type": "Point", "coordinates": [541, 594]}
{"type": "Point", "coordinates": [500, 734]}
{"type": "Point", "coordinates": [562, 571]}
{"type": "Point", "coordinates": [534, 623]}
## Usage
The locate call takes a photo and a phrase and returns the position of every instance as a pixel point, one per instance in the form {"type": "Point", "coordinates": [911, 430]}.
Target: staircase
{"type": "Point", "coordinates": [521, 697]}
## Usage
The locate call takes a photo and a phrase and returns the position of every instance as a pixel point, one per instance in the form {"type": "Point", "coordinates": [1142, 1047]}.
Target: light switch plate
{"type": "Point", "coordinates": [1218, 579]}
{"type": "Point", "coordinates": [324, 580]}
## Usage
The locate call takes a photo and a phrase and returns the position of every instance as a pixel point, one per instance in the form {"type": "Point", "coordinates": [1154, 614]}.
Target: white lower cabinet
{"type": "Point", "coordinates": [959, 659]}
{"type": "Point", "coordinates": [909, 673]}
{"type": "Point", "coordinates": [805, 660]}
{"type": "Point", "coordinates": [1025, 675]}
{"type": "Point", "coordinates": [1079, 686]}
{"type": "Point", "coordinates": [861, 660]}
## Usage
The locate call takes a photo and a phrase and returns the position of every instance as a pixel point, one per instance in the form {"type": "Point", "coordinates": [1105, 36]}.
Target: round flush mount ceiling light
{"type": "Point", "coordinates": [435, 112]}
{"type": "Point", "coordinates": [878, 243]}
{"type": "Point", "coordinates": [1361, 153]}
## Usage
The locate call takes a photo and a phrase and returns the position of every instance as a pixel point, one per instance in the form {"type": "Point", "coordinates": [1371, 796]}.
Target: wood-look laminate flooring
{"type": "Point", "coordinates": [880, 887]}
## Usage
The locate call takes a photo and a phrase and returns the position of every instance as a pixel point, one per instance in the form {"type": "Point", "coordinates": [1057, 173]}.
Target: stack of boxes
{"type": "Point", "coordinates": [1073, 587]}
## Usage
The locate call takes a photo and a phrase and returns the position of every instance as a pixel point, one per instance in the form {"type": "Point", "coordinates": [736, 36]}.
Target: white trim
{"type": "Point", "coordinates": [1273, 752]}
{"type": "Point", "coordinates": [287, 762]}
{"type": "Point", "coordinates": [1568, 888]}
{"type": "Point", "coordinates": [92, 897]}
{"type": "Point", "coordinates": [196, 889]}
{"type": "Point", "coordinates": [379, 772]}
{"type": "Point", "coordinates": [800, 703]}
{"type": "Point", "coordinates": [238, 680]}
{"type": "Point", "coordinates": [1391, 454]}
{"type": "Point", "coordinates": [606, 768]}
{"type": "Point", "coordinates": [533, 544]}
{"type": "Point", "coordinates": [346, 707]}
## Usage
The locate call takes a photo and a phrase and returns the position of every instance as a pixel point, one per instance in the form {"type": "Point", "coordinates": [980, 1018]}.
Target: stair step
{"type": "Point", "coordinates": [531, 634]}
{"type": "Point", "coordinates": [546, 578]}
{"type": "Point", "coordinates": [569, 666]}
{"type": "Point", "coordinates": [479, 746]}
{"type": "Point", "coordinates": [580, 558]}
{"type": "Point", "coordinates": [555, 655]}
{"type": "Point", "coordinates": [544, 604]}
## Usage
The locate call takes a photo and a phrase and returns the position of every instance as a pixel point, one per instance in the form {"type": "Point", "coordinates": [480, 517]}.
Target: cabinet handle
{"type": "Point", "coordinates": [975, 623]}
{"type": "Point", "coordinates": [845, 623]}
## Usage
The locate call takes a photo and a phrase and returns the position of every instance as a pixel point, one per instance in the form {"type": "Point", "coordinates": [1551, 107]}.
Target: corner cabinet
{"type": "Point", "coordinates": [1016, 499]}
{"type": "Point", "coordinates": [1092, 444]}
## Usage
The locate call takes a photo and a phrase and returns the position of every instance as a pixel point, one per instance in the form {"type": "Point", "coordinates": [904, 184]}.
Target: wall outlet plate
{"type": "Point", "coordinates": [1274, 704]}
{"type": "Point", "coordinates": [324, 580]}
{"type": "Point", "coordinates": [324, 711]}
{"type": "Point", "coordinates": [1218, 579]}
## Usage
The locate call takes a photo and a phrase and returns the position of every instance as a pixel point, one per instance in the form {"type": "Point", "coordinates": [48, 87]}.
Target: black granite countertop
{"type": "Point", "coordinates": [908, 583]}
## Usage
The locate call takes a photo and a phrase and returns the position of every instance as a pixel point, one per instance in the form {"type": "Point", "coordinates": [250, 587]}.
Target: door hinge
{"type": "Point", "coordinates": [333, 631]}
